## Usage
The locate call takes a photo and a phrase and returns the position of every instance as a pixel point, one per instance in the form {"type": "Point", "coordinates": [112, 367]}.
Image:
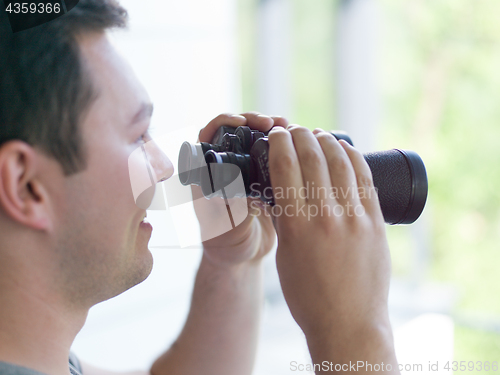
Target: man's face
{"type": "Point", "coordinates": [103, 246]}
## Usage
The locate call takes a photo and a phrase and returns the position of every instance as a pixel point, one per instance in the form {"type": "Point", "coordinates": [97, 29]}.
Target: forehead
{"type": "Point", "coordinates": [119, 92]}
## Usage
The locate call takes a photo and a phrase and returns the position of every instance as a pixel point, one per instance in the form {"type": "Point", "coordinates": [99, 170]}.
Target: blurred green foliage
{"type": "Point", "coordinates": [470, 345]}
{"type": "Point", "coordinates": [439, 80]}
{"type": "Point", "coordinates": [440, 83]}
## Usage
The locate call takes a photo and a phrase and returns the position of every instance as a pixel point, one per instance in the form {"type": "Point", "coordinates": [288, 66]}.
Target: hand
{"type": "Point", "coordinates": [334, 267]}
{"type": "Point", "coordinates": [255, 236]}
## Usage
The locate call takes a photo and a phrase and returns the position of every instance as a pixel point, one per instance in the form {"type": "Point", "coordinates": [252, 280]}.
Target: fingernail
{"type": "Point", "coordinates": [318, 130]}
{"type": "Point", "coordinates": [264, 116]}
{"type": "Point", "coordinates": [344, 143]}
{"type": "Point", "coordinates": [239, 117]}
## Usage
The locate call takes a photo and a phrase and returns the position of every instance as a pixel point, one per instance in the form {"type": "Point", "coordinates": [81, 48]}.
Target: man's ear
{"type": "Point", "coordinates": [23, 197]}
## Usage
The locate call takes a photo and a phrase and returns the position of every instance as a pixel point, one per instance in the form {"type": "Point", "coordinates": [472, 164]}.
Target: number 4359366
{"type": "Point", "coordinates": [469, 366]}
{"type": "Point", "coordinates": [33, 8]}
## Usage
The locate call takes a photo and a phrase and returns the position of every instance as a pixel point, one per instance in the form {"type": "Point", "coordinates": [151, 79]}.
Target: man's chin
{"type": "Point", "coordinates": [145, 267]}
{"type": "Point", "coordinates": [140, 271]}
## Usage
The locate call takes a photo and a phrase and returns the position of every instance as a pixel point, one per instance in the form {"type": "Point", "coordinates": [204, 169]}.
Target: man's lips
{"type": "Point", "coordinates": [145, 223]}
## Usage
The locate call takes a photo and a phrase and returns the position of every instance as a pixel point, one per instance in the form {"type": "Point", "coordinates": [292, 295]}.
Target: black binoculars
{"type": "Point", "coordinates": [399, 176]}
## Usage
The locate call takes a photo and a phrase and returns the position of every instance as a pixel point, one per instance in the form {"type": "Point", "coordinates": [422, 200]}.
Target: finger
{"type": "Point", "coordinates": [208, 132]}
{"type": "Point", "coordinates": [313, 164]}
{"type": "Point", "coordinates": [280, 121]}
{"type": "Point", "coordinates": [342, 175]}
{"type": "Point", "coordinates": [366, 191]}
{"type": "Point", "coordinates": [258, 121]}
{"type": "Point", "coordinates": [284, 169]}
{"type": "Point", "coordinates": [257, 208]}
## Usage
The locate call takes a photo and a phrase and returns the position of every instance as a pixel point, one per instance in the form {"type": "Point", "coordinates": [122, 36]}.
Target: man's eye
{"type": "Point", "coordinates": [144, 137]}
{"type": "Point", "coordinates": [141, 139]}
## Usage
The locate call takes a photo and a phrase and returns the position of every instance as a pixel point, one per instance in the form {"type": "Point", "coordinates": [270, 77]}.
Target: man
{"type": "Point", "coordinates": [71, 113]}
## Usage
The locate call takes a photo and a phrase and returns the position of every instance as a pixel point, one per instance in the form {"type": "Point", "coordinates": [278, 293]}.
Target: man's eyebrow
{"type": "Point", "coordinates": [145, 112]}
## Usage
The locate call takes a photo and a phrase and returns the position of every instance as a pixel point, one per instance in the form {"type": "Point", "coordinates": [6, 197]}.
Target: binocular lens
{"type": "Point", "coordinates": [401, 182]}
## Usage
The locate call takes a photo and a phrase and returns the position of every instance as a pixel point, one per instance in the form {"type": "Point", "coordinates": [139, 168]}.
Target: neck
{"type": "Point", "coordinates": [36, 330]}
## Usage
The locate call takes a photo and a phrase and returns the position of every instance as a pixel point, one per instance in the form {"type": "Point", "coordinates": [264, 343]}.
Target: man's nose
{"type": "Point", "coordinates": [162, 166]}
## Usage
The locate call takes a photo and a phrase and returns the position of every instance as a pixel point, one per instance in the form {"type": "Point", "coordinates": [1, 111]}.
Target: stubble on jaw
{"type": "Point", "coordinates": [89, 271]}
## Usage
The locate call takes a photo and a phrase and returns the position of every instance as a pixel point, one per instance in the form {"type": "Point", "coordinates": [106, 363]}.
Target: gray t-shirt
{"type": "Point", "coordinates": [10, 369]}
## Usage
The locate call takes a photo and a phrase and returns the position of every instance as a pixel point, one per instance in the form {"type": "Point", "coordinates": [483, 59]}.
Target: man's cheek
{"type": "Point", "coordinates": [142, 178]}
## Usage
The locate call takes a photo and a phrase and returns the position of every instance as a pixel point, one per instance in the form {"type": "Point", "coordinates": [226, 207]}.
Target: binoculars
{"type": "Point", "coordinates": [399, 176]}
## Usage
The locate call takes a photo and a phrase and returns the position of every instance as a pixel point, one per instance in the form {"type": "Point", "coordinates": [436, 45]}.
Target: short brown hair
{"type": "Point", "coordinates": [44, 88]}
